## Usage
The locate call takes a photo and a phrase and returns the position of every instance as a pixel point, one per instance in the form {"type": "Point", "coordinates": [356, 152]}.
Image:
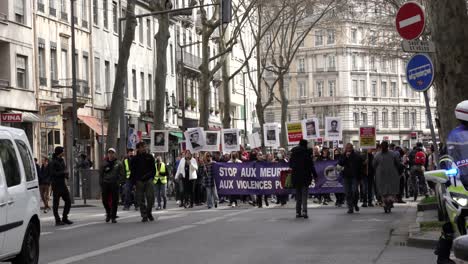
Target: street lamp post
{"type": "Point", "coordinates": [245, 110]}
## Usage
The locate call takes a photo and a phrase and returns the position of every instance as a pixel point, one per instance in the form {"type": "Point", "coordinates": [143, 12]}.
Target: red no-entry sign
{"type": "Point", "coordinates": [410, 20]}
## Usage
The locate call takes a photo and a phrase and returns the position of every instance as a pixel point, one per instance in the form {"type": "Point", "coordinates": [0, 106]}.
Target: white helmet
{"type": "Point", "coordinates": [461, 111]}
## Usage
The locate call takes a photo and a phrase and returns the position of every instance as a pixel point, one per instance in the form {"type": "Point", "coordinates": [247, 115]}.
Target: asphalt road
{"type": "Point", "coordinates": [234, 235]}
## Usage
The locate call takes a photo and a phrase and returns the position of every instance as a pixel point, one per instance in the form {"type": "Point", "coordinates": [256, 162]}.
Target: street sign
{"type": "Point", "coordinates": [418, 46]}
{"type": "Point", "coordinates": [410, 20]}
{"type": "Point", "coordinates": [420, 72]}
{"type": "Point", "coordinates": [414, 135]}
{"type": "Point", "coordinates": [367, 137]}
{"type": "Point", "coordinates": [12, 117]}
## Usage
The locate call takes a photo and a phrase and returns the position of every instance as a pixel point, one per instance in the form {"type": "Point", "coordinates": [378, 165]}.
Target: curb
{"type": "Point", "coordinates": [416, 238]}
{"type": "Point", "coordinates": [427, 207]}
{"type": "Point", "coordinates": [76, 206]}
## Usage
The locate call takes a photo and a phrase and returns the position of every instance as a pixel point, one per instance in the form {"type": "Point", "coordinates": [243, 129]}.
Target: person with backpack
{"type": "Point", "coordinates": [417, 162]}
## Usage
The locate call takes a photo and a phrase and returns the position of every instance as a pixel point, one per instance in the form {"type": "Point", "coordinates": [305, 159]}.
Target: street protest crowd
{"type": "Point", "coordinates": [375, 177]}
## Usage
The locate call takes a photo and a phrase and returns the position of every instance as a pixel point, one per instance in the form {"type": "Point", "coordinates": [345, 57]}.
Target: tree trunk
{"type": "Point", "coordinates": [162, 38]}
{"type": "Point", "coordinates": [451, 58]}
{"type": "Point", "coordinates": [206, 76]}
{"type": "Point", "coordinates": [117, 103]}
{"type": "Point", "coordinates": [261, 118]}
{"type": "Point", "coordinates": [284, 111]}
{"type": "Point", "coordinates": [226, 95]}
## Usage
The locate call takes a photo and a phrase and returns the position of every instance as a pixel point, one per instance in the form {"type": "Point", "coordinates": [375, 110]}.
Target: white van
{"type": "Point", "coordinates": [19, 199]}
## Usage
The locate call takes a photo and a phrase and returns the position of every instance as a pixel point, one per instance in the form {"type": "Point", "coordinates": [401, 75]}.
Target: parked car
{"type": "Point", "coordinates": [452, 195]}
{"type": "Point", "coordinates": [19, 199]}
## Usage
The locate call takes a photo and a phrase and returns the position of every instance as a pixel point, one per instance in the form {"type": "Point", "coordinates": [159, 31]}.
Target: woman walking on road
{"type": "Point", "coordinates": [187, 174]}
{"type": "Point", "coordinates": [386, 164]}
{"type": "Point", "coordinates": [209, 181]}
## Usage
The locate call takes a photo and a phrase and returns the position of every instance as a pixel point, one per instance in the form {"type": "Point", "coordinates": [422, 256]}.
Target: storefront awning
{"type": "Point", "coordinates": [95, 124]}
{"type": "Point", "coordinates": [30, 117]}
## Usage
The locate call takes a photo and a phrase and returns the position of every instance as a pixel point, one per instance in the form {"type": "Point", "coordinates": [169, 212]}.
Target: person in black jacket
{"type": "Point", "coordinates": [111, 175]}
{"type": "Point", "coordinates": [58, 174]}
{"type": "Point", "coordinates": [44, 183]}
{"type": "Point", "coordinates": [142, 174]}
{"type": "Point", "coordinates": [352, 164]}
{"type": "Point", "coordinates": [303, 169]}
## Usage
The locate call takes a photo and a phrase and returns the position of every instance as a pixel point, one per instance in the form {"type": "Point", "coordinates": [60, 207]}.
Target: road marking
{"type": "Point", "coordinates": [135, 241]}
{"type": "Point", "coordinates": [46, 233]}
{"type": "Point", "coordinates": [78, 226]}
{"type": "Point", "coordinates": [370, 220]}
{"type": "Point", "coordinates": [410, 21]}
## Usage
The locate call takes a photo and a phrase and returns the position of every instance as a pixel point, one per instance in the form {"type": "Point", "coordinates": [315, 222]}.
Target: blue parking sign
{"type": "Point", "coordinates": [420, 72]}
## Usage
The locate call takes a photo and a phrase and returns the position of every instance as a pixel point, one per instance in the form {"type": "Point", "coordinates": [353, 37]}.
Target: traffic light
{"type": "Point", "coordinates": [226, 11]}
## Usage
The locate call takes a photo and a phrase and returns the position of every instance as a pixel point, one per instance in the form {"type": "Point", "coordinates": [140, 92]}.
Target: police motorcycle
{"type": "Point", "coordinates": [451, 194]}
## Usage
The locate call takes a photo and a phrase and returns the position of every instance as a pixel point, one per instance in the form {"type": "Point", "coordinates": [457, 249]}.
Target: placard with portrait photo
{"type": "Point", "coordinates": [212, 139]}
{"type": "Point", "coordinates": [271, 135]}
{"type": "Point", "coordinates": [230, 140]}
{"type": "Point", "coordinates": [195, 139]}
{"type": "Point", "coordinates": [310, 128]}
{"type": "Point", "coordinates": [333, 129]}
{"type": "Point", "coordinates": [159, 141]}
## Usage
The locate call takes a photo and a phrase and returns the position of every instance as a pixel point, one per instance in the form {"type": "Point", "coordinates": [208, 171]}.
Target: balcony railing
{"type": "Point", "coordinates": [189, 59]}
{"type": "Point", "coordinates": [3, 17]}
{"type": "Point", "coordinates": [146, 106]}
{"type": "Point", "coordinates": [4, 83]}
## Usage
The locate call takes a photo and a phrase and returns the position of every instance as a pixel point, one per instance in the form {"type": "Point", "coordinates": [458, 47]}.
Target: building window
{"type": "Point", "coordinates": [375, 117]}
{"type": "Point", "coordinates": [318, 38]}
{"type": "Point", "coordinates": [413, 119]}
{"type": "Point", "coordinates": [331, 36]}
{"type": "Point", "coordinates": [84, 13]}
{"type": "Point", "coordinates": [134, 83]}
{"type": "Point", "coordinates": [97, 74]}
{"type": "Point", "coordinates": [148, 32]}
{"type": "Point", "coordinates": [393, 89]}
{"type": "Point", "coordinates": [172, 58]}
{"type": "Point", "coordinates": [95, 12]}
{"type": "Point", "coordinates": [302, 90]}
{"type": "Point", "coordinates": [63, 10]}
{"type": "Point", "coordinates": [40, 5]}
{"type": "Point", "coordinates": [354, 36]}
{"type": "Point", "coordinates": [19, 11]}
{"type": "Point", "coordinates": [85, 74]}
{"type": "Point", "coordinates": [374, 88]}
{"type": "Point", "coordinates": [384, 89]}
{"type": "Point", "coordinates": [114, 17]}
{"type": "Point", "coordinates": [394, 119]}
{"type": "Point", "coordinates": [75, 15]}
{"type": "Point", "coordinates": [392, 66]}
{"type": "Point", "coordinates": [150, 86]}
{"type": "Point", "coordinates": [384, 65]}
{"type": "Point", "coordinates": [53, 64]}
{"type": "Point", "coordinates": [427, 120]}
{"type": "Point", "coordinates": [21, 71]}
{"type": "Point", "coordinates": [372, 63]}
{"type": "Point", "coordinates": [355, 88]}
{"type": "Point", "coordinates": [105, 16]}
{"type": "Point", "coordinates": [354, 62]}
{"type": "Point", "coordinates": [385, 119]}
{"type": "Point", "coordinates": [356, 119]}
{"type": "Point", "coordinates": [64, 64]}
{"type": "Point", "coordinates": [107, 77]}
{"type": "Point", "coordinates": [52, 10]}
{"type": "Point", "coordinates": [364, 118]}
{"type": "Point", "coordinates": [319, 88]}
{"type": "Point", "coordinates": [300, 36]}
{"type": "Point", "coordinates": [331, 88]}
{"type": "Point", "coordinates": [140, 29]}
{"type": "Point", "coordinates": [406, 119]}
{"type": "Point", "coordinates": [142, 85]}
{"type": "Point", "coordinates": [373, 38]}
{"type": "Point", "coordinates": [331, 62]}
{"type": "Point", "coordinates": [301, 65]}
{"type": "Point", "coordinates": [42, 65]}
{"type": "Point", "coordinates": [362, 85]}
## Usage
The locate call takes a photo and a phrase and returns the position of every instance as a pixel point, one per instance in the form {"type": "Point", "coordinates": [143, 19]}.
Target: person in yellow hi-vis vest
{"type": "Point", "coordinates": [129, 197]}
{"type": "Point", "coordinates": [160, 183]}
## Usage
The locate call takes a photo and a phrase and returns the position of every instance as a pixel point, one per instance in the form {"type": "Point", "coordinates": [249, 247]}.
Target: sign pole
{"type": "Point", "coordinates": [431, 126]}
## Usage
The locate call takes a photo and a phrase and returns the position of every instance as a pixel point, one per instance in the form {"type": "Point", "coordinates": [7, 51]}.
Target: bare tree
{"type": "Point", "coordinates": [290, 29]}
{"type": "Point", "coordinates": [162, 39]}
{"type": "Point", "coordinates": [117, 103]}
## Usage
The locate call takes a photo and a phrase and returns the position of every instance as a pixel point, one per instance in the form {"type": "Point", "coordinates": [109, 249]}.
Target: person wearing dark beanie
{"type": "Point", "coordinates": [58, 174]}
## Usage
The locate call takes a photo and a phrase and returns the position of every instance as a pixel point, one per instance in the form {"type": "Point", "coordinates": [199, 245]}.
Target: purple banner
{"type": "Point", "coordinates": [264, 178]}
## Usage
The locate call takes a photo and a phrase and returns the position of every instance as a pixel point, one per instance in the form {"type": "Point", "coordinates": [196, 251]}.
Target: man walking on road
{"type": "Point", "coordinates": [160, 183]}
{"type": "Point", "coordinates": [386, 164]}
{"type": "Point", "coordinates": [58, 174]}
{"type": "Point", "coordinates": [303, 168]}
{"type": "Point", "coordinates": [352, 168]}
{"type": "Point", "coordinates": [112, 173]}
{"type": "Point", "coordinates": [128, 188]}
{"type": "Point", "coordinates": [142, 174]}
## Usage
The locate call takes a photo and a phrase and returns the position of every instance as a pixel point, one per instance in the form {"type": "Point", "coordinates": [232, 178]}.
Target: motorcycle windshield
{"type": "Point", "coordinates": [457, 148]}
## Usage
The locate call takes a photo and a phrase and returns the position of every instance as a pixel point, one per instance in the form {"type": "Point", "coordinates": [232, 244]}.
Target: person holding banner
{"type": "Point", "coordinates": [187, 174]}
{"type": "Point", "coordinates": [234, 159]}
{"type": "Point", "coordinates": [209, 181]}
{"type": "Point", "coordinates": [303, 169]}
{"type": "Point", "coordinates": [386, 164]}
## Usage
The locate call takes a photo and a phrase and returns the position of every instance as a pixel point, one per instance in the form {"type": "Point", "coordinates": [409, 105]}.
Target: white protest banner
{"type": "Point", "coordinates": [195, 139]}
{"type": "Point", "coordinates": [333, 128]}
{"type": "Point", "coordinates": [212, 139]}
{"type": "Point", "coordinates": [254, 140]}
{"type": "Point", "coordinates": [271, 135]}
{"type": "Point", "coordinates": [230, 140]}
{"type": "Point", "coordinates": [310, 128]}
